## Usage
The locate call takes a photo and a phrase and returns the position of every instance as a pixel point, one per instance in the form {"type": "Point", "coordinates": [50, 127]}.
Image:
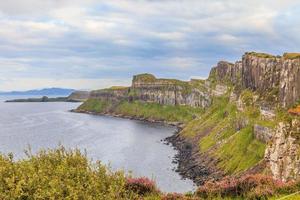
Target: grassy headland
{"type": "Point", "coordinates": [143, 110]}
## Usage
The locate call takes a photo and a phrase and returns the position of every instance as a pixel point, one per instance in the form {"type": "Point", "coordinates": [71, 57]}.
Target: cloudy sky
{"type": "Point", "coordinates": [88, 44]}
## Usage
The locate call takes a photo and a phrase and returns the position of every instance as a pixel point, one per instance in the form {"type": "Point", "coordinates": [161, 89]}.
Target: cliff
{"type": "Point", "coordinates": [79, 96]}
{"type": "Point", "coordinates": [240, 120]}
{"type": "Point", "coordinates": [275, 78]}
{"type": "Point", "coordinates": [147, 87]}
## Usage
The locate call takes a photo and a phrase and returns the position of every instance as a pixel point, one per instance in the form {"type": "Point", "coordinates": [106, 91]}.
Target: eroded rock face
{"type": "Point", "coordinates": [262, 133]}
{"type": "Point", "coordinates": [79, 95]}
{"type": "Point", "coordinates": [267, 113]}
{"type": "Point", "coordinates": [169, 91]}
{"type": "Point", "coordinates": [274, 77]}
{"type": "Point", "coordinates": [220, 90]}
{"type": "Point", "coordinates": [289, 91]}
{"type": "Point", "coordinates": [227, 72]}
{"type": "Point", "coordinates": [110, 94]}
{"type": "Point", "coordinates": [282, 153]}
{"type": "Point", "coordinates": [260, 74]}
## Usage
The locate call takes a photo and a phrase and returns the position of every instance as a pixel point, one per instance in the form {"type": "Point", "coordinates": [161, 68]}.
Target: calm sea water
{"type": "Point", "coordinates": [123, 144]}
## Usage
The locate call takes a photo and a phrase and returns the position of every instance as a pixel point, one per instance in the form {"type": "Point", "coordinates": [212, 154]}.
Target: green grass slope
{"type": "Point", "coordinates": [227, 135]}
{"type": "Point", "coordinates": [144, 110]}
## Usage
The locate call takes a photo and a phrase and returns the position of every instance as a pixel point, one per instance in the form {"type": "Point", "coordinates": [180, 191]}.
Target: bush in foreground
{"type": "Point", "coordinates": [60, 174]}
{"type": "Point", "coordinates": [141, 186]}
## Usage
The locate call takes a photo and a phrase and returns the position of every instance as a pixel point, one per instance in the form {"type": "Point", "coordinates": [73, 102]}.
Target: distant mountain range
{"type": "Point", "coordinates": [44, 92]}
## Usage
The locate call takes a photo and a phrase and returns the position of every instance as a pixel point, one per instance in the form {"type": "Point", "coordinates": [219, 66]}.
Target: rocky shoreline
{"type": "Point", "coordinates": [191, 163]}
{"type": "Point", "coordinates": [189, 166]}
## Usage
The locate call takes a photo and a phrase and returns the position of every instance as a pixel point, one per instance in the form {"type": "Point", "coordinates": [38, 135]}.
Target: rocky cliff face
{"type": "Point", "coordinates": [275, 81]}
{"type": "Point", "coordinates": [277, 78]}
{"type": "Point", "coordinates": [111, 94]}
{"type": "Point", "coordinates": [169, 91]}
{"type": "Point", "coordinates": [79, 95]}
{"type": "Point", "coordinates": [283, 152]}
{"type": "Point", "coordinates": [145, 87]}
{"type": "Point", "coordinates": [289, 87]}
{"type": "Point", "coordinates": [226, 72]}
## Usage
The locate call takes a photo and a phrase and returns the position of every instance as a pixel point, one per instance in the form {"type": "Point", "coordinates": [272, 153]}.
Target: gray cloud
{"type": "Point", "coordinates": [84, 40]}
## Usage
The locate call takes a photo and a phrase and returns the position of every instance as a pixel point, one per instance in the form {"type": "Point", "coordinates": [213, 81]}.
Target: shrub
{"type": "Point", "coordinates": [62, 174]}
{"type": "Point", "coordinates": [141, 185]}
{"type": "Point", "coordinates": [178, 196]}
{"type": "Point", "coordinates": [249, 186]}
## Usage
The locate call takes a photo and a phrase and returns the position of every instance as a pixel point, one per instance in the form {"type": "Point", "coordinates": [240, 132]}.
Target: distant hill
{"type": "Point", "coordinates": [44, 92]}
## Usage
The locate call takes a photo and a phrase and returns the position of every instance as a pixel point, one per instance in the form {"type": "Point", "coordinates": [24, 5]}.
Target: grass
{"type": "Point", "coordinates": [185, 86]}
{"type": "Point", "coordinates": [207, 120]}
{"type": "Point", "coordinates": [221, 129]}
{"type": "Point", "coordinates": [260, 55]}
{"type": "Point", "coordinates": [291, 56]}
{"type": "Point", "coordinates": [158, 112]}
{"type": "Point", "coordinates": [145, 110]}
{"type": "Point", "coordinates": [144, 77]}
{"type": "Point", "coordinates": [94, 105]}
{"type": "Point", "coordinates": [118, 88]}
{"type": "Point", "coordinates": [240, 152]}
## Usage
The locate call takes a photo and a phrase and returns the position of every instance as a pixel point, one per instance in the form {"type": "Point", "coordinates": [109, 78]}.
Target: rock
{"type": "Point", "coordinates": [148, 88]}
{"type": "Point", "coordinates": [264, 134]}
{"type": "Point", "coordinates": [226, 72]}
{"type": "Point", "coordinates": [233, 97]}
{"type": "Point", "coordinates": [110, 94]}
{"type": "Point", "coordinates": [220, 90]}
{"type": "Point", "coordinates": [79, 95]}
{"type": "Point", "coordinates": [276, 78]}
{"type": "Point", "coordinates": [289, 91]}
{"type": "Point", "coordinates": [282, 153]}
{"type": "Point", "coordinates": [267, 113]}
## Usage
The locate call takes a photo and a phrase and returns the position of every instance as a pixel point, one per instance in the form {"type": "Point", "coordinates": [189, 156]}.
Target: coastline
{"type": "Point", "coordinates": [190, 162]}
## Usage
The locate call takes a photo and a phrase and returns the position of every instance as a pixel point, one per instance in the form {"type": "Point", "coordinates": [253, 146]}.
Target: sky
{"type": "Point", "coordinates": [92, 44]}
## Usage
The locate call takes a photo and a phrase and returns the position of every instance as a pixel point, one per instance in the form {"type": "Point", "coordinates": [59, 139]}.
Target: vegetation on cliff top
{"type": "Point", "coordinates": [150, 111]}
{"type": "Point", "coordinates": [291, 55]}
{"type": "Point", "coordinates": [144, 78]}
{"type": "Point", "coordinates": [118, 88]}
{"type": "Point", "coordinates": [265, 55]}
{"type": "Point", "coordinates": [260, 55]}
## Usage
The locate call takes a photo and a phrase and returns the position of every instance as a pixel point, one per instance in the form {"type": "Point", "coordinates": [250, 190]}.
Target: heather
{"type": "Point", "coordinates": [247, 187]}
